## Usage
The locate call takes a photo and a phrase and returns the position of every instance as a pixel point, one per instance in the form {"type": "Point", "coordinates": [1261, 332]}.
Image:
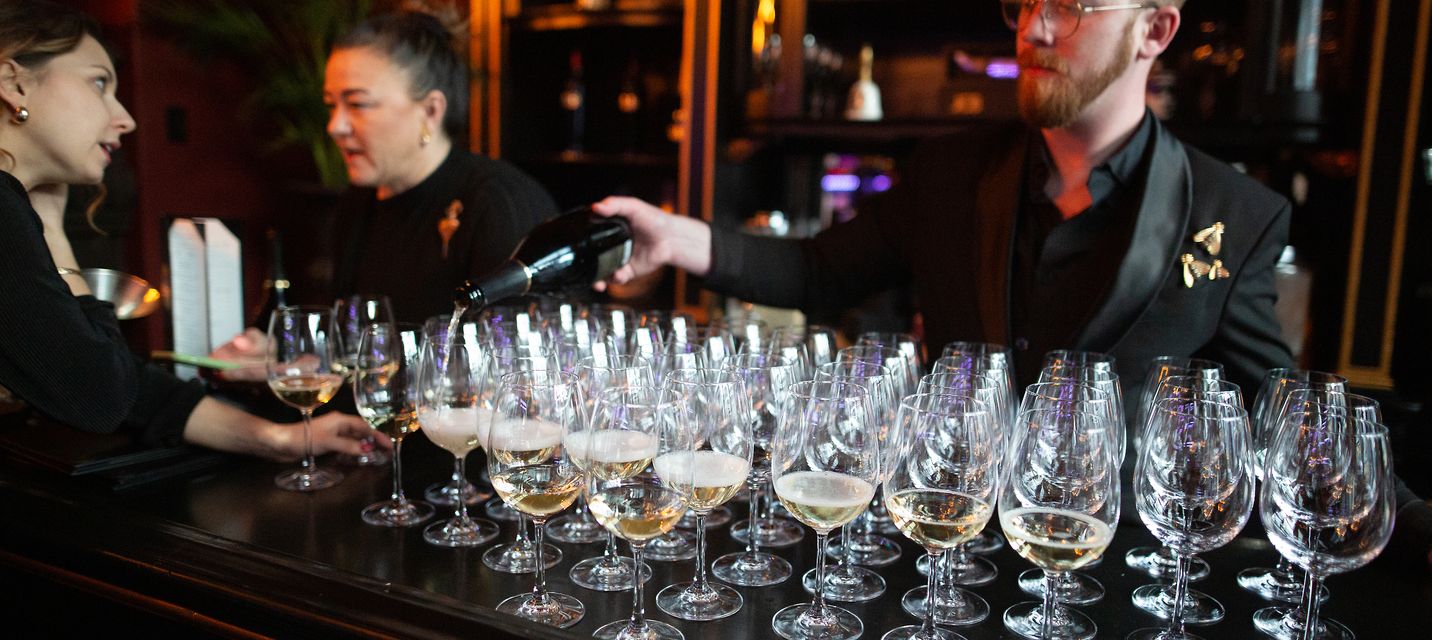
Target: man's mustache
{"type": "Point", "coordinates": [1044, 59]}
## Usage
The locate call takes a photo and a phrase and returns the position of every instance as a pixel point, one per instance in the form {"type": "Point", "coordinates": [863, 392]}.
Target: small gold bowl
{"type": "Point", "coordinates": [131, 296]}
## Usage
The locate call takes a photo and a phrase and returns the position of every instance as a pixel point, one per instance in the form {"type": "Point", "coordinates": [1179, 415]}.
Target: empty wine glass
{"type": "Point", "coordinates": [529, 470]}
{"type": "Point", "coordinates": [941, 492]}
{"type": "Point", "coordinates": [713, 415]}
{"type": "Point", "coordinates": [997, 363]}
{"type": "Point", "coordinates": [385, 391]}
{"type": "Point", "coordinates": [353, 315]}
{"type": "Point", "coordinates": [1059, 503]}
{"type": "Point", "coordinates": [825, 466]}
{"type": "Point", "coordinates": [450, 380]}
{"type": "Point", "coordinates": [302, 345]}
{"type": "Point", "coordinates": [1327, 503]}
{"type": "Point", "coordinates": [768, 378]}
{"type": "Point", "coordinates": [1193, 487]}
{"type": "Point", "coordinates": [629, 426]}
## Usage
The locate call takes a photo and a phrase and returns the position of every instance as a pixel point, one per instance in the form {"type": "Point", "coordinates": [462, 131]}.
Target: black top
{"type": "Point", "coordinates": [1061, 272]}
{"type": "Point", "coordinates": [395, 247]}
{"type": "Point", "coordinates": [64, 354]}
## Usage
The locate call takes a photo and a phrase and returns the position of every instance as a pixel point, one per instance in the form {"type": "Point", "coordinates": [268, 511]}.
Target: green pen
{"type": "Point", "coordinates": [197, 361]}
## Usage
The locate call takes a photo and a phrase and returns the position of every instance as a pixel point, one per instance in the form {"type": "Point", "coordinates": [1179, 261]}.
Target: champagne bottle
{"type": "Point", "coordinates": [275, 288]}
{"type": "Point", "coordinates": [574, 102]}
{"type": "Point", "coordinates": [863, 103]}
{"type": "Point", "coordinates": [574, 249]}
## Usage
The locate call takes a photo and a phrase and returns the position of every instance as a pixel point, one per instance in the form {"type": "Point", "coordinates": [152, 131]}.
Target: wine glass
{"type": "Point", "coordinates": [748, 331]}
{"type": "Point", "coordinates": [609, 571]}
{"type": "Point", "coordinates": [534, 411]}
{"type": "Point", "coordinates": [1327, 504]}
{"type": "Point", "coordinates": [450, 410]}
{"type": "Point", "coordinates": [577, 527]}
{"type": "Point", "coordinates": [996, 362]}
{"type": "Point", "coordinates": [446, 494]}
{"type": "Point", "coordinates": [385, 391]}
{"type": "Point", "coordinates": [302, 347]}
{"type": "Point", "coordinates": [353, 315]}
{"type": "Point", "coordinates": [767, 380]}
{"type": "Point", "coordinates": [1059, 503]}
{"type": "Point", "coordinates": [629, 426]}
{"type": "Point", "coordinates": [713, 418]}
{"type": "Point", "coordinates": [818, 344]}
{"type": "Point", "coordinates": [1193, 487]}
{"type": "Point", "coordinates": [1281, 582]}
{"type": "Point", "coordinates": [714, 343]}
{"type": "Point", "coordinates": [941, 492]}
{"type": "Point", "coordinates": [824, 466]}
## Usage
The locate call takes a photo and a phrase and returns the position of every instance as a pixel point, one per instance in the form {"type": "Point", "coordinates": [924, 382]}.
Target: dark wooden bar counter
{"type": "Point", "coordinates": [230, 555]}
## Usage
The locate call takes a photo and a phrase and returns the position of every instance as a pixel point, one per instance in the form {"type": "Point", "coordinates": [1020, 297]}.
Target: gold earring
{"type": "Point", "coordinates": [21, 115]}
{"type": "Point", "coordinates": [426, 137]}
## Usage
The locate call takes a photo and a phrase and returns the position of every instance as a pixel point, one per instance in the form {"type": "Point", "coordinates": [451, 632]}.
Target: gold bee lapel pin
{"type": "Point", "coordinates": [449, 223]}
{"type": "Point", "coordinates": [1195, 269]}
{"type": "Point", "coordinates": [1211, 238]}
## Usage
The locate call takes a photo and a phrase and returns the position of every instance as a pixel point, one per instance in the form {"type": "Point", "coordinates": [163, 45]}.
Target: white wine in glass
{"type": "Point", "coordinates": [302, 345]}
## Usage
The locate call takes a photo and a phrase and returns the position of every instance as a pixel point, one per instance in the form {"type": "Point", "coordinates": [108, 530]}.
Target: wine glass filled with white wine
{"type": "Point", "coordinates": [302, 349]}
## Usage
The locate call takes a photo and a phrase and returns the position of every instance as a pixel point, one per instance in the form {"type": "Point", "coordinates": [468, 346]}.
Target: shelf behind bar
{"type": "Point", "coordinates": [569, 18]}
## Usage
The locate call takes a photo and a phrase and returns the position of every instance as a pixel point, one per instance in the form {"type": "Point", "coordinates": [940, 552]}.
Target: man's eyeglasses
{"type": "Point", "coordinates": [1060, 18]}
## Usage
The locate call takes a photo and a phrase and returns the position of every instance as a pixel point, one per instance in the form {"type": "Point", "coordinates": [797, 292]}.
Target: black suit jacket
{"type": "Point", "coordinates": [947, 228]}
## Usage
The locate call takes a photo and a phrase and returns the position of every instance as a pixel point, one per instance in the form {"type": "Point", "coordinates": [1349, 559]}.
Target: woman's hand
{"type": "Point", "coordinates": [248, 348]}
{"type": "Point", "coordinates": [332, 432]}
{"type": "Point", "coordinates": [660, 239]}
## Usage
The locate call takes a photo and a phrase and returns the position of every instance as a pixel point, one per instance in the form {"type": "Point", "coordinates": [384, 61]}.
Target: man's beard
{"type": "Point", "coordinates": [1054, 102]}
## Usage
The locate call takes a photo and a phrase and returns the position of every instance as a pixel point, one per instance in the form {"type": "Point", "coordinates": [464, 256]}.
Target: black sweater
{"type": "Point", "coordinates": [63, 354]}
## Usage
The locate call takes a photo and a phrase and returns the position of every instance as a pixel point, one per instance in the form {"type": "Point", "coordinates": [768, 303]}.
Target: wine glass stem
{"type": "Point", "coordinates": [637, 621]}
{"type": "Point", "coordinates": [1311, 586]}
{"type": "Point", "coordinates": [460, 471]}
{"type": "Point", "coordinates": [398, 471]}
{"type": "Point", "coordinates": [699, 582]}
{"type": "Point", "coordinates": [1051, 578]}
{"type": "Point", "coordinates": [753, 543]}
{"type": "Point", "coordinates": [539, 591]}
{"type": "Point", "coordinates": [927, 630]}
{"type": "Point", "coordinates": [610, 553]}
{"type": "Point", "coordinates": [1180, 591]}
{"type": "Point", "coordinates": [817, 606]}
{"type": "Point", "coordinates": [308, 463]}
{"type": "Point", "coordinates": [847, 559]}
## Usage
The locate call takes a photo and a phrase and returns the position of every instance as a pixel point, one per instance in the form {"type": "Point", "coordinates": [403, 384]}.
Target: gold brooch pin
{"type": "Point", "coordinates": [449, 224]}
{"type": "Point", "coordinates": [1211, 238]}
{"type": "Point", "coordinates": [1195, 269]}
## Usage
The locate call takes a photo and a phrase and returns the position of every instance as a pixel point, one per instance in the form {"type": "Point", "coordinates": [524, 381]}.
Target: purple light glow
{"type": "Point", "coordinates": [1003, 69]}
{"type": "Point", "coordinates": [880, 183]}
{"type": "Point", "coordinates": [839, 183]}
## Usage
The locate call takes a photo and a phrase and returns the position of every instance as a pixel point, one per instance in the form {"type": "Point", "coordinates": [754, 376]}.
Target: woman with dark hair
{"type": "Point", "coordinates": [424, 214]}
{"type": "Point", "coordinates": [60, 348]}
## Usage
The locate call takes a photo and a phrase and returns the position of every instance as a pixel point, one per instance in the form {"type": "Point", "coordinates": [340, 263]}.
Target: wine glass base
{"type": "Point", "coordinates": [559, 610]}
{"type": "Point", "coordinates": [855, 584]}
{"type": "Point", "coordinates": [1160, 633]}
{"type": "Point", "coordinates": [375, 458]}
{"type": "Point", "coordinates": [1026, 620]}
{"type": "Point", "coordinates": [776, 533]}
{"type": "Point", "coordinates": [1264, 582]}
{"type": "Point", "coordinates": [713, 603]}
{"type": "Point", "coordinates": [985, 543]}
{"type": "Point", "coordinates": [1198, 607]}
{"type": "Point", "coordinates": [869, 550]}
{"type": "Point", "coordinates": [1282, 623]}
{"type": "Point", "coordinates": [445, 495]}
{"type": "Point", "coordinates": [389, 513]}
{"type": "Point", "coordinates": [973, 572]}
{"type": "Point", "coordinates": [507, 559]}
{"type": "Point", "coordinates": [912, 632]}
{"type": "Point", "coordinates": [452, 533]}
{"type": "Point", "coordinates": [1161, 565]}
{"type": "Point", "coordinates": [307, 480]}
{"type": "Point", "coordinates": [718, 517]}
{"type": "Point", "coordinates": [604, 573]}
{"type": "Point", "coordinates": [793, 623]}
{"type": "Point", "coordinates": [672, 546]}
{"type": "Point", "coordinates": [1079, 591]}
{"type": "Point", "coordinates": [961, 611]}
{"type": "Point", "coordinates": [575, 529]}
{"type": "Point", "coordinates": [650, 630]}
{"type": "Point", "coordinates": [498, 510]}
{"type": "Point", "coordinates": [745, 569]}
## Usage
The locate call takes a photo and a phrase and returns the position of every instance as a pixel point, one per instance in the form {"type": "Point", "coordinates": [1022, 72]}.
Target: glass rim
{"type": "Point", "coordinates": [912, 403]}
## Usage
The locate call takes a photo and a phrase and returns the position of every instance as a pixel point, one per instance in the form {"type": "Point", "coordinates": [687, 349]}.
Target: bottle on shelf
{"type": "Point", "coordinates": [574, 249]}
{"type": "Point", "coordinates": [863, 103]}
{"type": "Point", "coordinates": [275, 288]}
{"type": "Point", "coordinates": [574, 102]}
{"type": "Point", "coordinates": [629, 106]}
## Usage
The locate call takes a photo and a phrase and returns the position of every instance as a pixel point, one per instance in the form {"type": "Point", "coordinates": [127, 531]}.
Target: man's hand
{"type": "Point", "coordinates": [659, 239]}
{"type": "Point", "coordinates": [248, 348]}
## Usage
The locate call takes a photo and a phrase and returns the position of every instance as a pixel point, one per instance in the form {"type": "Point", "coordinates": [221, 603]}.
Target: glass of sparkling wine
{"type": "Point", "coordinates": [353, 315]}
{"type": "Point", "coordinates": [713, 422]}
{"type": "Point", "coordinates": [941, 491]}
{"type": "Point", "coordinates": [450, 378]}
{"type": "Point", "coordinates": [385, 391]}
{"type": "Point", "coordinates": [302, 349]}
{"type": "Point", "coordinates": [1059, 503]}
{"type": "Point", "coordinates": [532, 474]}
{"type": "Point", "coordinates": [825, 466]}
{"type": "Point", "coordinates": [621, 441]}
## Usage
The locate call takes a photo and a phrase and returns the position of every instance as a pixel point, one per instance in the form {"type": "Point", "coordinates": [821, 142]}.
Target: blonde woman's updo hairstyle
{"type": "Point", "coordinates": [420, 44]}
